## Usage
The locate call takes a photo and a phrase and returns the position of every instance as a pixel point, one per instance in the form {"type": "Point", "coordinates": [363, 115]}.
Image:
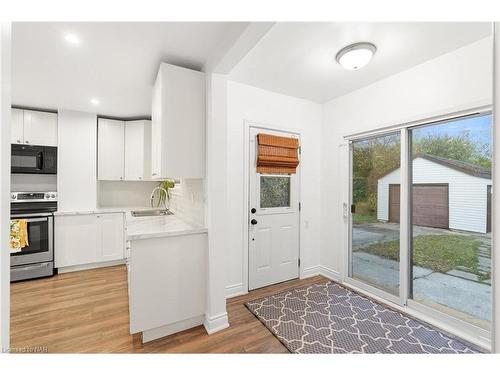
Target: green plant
{"type": "Point", "coordinates": [163, 196]}
{"type": "Point", "coordinates": [363, 208]}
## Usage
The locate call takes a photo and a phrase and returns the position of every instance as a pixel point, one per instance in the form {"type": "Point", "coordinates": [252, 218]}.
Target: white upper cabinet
{"type": "Point", "coordinates": [110, 149]}
{"type": "Point", "coordinates": [34, 127]}
{"type": "Point", "coordinates": [40, 128]}
{"type": "Point", "coordinates": [124, 150]}
{"type": "Point", "coordinates": [17, 126]}
{"type": "Point", "coordinates": [178, 123]}
{"type": "Point", "coordinates": [138, 150]}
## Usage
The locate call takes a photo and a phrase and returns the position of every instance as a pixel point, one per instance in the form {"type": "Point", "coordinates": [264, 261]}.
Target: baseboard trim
{"type": "Point", "coordinates": [216, 323]}
{"type": "Point", "coordinates": [90, 266]}
{"type": "Point", "coordinates": [330, 274]}
{"type": "Point", "coordinates": [310, 272]}
{"type": "Point", "coordinates": [235, 290]}
{"type": "Point", "coordinates": [169, 329]}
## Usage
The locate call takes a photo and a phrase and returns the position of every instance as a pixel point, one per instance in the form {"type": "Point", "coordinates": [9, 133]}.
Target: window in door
{"type": "Point", "coordinates": [274, 191]}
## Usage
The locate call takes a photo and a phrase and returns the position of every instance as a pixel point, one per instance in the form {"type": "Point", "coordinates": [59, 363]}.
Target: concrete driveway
{"type": "Point", "coordinates": [457, 290]}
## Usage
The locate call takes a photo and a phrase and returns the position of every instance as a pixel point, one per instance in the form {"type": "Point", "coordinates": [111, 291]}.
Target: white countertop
{"type": "Point", "coordinates": [139, 228]}
{"type": "Point", "coordinates": [101, 210]}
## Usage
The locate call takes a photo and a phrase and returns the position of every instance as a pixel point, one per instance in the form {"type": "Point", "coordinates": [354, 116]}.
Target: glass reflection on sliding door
{"type": "Point", "coordinates": [451, 218]}
{"type": "Point", "coordinates": [375, 187]}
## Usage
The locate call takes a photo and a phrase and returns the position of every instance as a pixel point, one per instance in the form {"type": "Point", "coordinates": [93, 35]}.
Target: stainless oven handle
{"type": "Point", "coordinates": [36, 220]}
{"type": "Point", "coordinates": [21, 216]}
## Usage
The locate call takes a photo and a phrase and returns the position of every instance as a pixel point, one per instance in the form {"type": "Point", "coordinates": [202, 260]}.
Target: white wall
{"type": "Point", "coordinates": [125, 193]}
{"type": "Point", "coordinates": [33, 182]}
{"type": "Point", "coordinates": [467, 194]}
{"type": "Point", "coordinates": [76, 161]}
{"type": "Point", "coordinates": [5, 103]}
{"type": "Point", "coordinates": [456, 81]}
{"type": "Point", "coordinates": [282, 112]}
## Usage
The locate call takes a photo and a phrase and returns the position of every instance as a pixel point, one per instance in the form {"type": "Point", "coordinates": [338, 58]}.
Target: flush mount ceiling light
{"type": "Point", "coordinates": [72, 39]}
{"type": "Point", "coordinates": [94, 101]}
{"type": "Point", "coordinates": [355, 56]}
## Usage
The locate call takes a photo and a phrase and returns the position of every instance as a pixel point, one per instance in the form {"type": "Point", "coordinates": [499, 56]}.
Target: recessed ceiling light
{"type": "Point", "coordinates": [355, 56]}
{"type": "Point", "coordinates": [94, 101]}
{"type": "Point", "coordinates": [72, 39]}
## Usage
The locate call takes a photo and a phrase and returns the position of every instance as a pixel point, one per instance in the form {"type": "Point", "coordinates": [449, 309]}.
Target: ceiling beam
{"type": "Point", "coordinates": [238, 42]}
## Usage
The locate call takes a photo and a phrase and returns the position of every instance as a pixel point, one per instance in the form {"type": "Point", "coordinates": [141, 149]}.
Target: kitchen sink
{"type": "Point", "coordinates": [156, 212]}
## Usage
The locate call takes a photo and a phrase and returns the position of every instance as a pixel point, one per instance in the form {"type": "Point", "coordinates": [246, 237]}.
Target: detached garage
{"type": "Point", "coordinates": [446, 194]}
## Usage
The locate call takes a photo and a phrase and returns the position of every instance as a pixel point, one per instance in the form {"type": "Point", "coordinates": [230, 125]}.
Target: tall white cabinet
{"type": "Point", "coordinates": [33, 127]}
{"type": "Point", "coordinates": [178, 123]}
{"type": "Point", "coordinates": [124, 150]}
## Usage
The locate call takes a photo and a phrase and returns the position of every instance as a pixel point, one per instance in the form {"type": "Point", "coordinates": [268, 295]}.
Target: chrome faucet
{"type": "Point", "coordinates": [153, 196]}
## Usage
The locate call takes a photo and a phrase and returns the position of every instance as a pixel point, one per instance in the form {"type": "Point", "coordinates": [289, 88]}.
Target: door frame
{"type": "Point", "coordinates": [247, 126]}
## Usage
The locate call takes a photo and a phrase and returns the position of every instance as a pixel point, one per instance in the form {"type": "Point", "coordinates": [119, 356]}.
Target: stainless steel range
{"type": "Point", "coordinates": [36, 259]}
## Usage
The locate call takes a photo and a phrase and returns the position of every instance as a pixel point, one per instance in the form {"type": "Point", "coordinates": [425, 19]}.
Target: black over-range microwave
{"type": "Point", "coordinates": [33, 159]}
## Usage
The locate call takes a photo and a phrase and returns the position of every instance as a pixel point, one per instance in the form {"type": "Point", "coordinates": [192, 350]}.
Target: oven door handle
{"type": "Point", "coordinates": [36, 220]}
{"type": "Point", "coordinates": [24, 216]}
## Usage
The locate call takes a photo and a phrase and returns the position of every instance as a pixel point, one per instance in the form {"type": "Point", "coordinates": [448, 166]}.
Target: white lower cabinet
{"type": "Point", "coordinates": [84, 239]}
{"type": "Point", "coordinates": [110, 237]}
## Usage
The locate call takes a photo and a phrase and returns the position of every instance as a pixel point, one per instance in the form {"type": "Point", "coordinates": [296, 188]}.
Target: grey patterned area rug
{"type": "Point", "coordinates": [328, 318]}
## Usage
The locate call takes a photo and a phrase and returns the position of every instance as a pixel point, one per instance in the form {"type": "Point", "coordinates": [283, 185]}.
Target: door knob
{"type": "Point", "coordinates": [253, 210]}
{"type": "Point", "coordinates": [253, 221]}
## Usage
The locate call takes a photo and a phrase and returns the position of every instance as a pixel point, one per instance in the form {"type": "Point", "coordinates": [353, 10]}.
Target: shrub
{"type": "Point", "coordinates": [363, 208]}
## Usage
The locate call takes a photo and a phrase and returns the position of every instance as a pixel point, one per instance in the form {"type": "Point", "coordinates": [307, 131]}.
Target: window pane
{"type": "Point", "coordinates": [274, 191]}
{"type": "Point", "coordinates": [451, 220]}
{"type": "Point", "coordinates": [375, 222]}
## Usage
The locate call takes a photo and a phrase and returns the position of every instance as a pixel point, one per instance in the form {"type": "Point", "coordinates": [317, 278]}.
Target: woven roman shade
{"type": "Point", "coordinates": [277, 155]}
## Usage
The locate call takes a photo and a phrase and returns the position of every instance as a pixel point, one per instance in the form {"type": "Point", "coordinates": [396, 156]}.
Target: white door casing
{"type": "Point", "coordinates": [274, 238]}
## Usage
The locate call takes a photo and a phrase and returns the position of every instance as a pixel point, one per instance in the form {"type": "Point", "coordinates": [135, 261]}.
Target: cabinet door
{"type": "Point", "coordinates": [40, 128]}
{"type": "Point", "coordinates": [111, 149]}
{"type": "Point", "coordinates": [110, 233]}
{"type": "Point", "coordinates": [16, 130]}
{"type": "Point", "coordinates": [156, 131]}
{"type": "Point", "coordinates": [75, 240]}
{"type": "Point", "coordinates": [134, 150]}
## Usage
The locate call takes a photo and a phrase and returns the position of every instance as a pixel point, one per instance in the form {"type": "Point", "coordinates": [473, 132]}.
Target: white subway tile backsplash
{"type": "Point", "coordinates": [187, 199]}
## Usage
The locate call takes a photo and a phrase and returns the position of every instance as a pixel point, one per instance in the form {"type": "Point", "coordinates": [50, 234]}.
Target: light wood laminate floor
{"type": "Point", "coordinates": [87, 312]}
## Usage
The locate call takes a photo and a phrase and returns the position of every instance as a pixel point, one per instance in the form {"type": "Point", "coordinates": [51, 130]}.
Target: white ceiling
{"type": "Point", "coordinates": [114, 62]}
{"type": "Point", "coordinates": [298, 59]}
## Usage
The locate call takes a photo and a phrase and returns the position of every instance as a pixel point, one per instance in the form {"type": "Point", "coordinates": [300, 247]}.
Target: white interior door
{"type": "Point", "coordinates": [273, 222]}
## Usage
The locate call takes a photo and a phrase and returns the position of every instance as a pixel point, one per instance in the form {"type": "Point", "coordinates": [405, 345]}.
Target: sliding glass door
{"type": "Point", "coordinates": [451, 221]}
{"type": "Point", "coordinates": [374, 257]}
{"type": "Point", "coordinates": [428, 248]}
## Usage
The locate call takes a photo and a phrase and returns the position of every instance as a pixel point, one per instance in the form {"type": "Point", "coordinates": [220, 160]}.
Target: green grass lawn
{"type": "Point", "coordinates": [358, 219]}
{"type": "Point", "coordinates": [440, 253]}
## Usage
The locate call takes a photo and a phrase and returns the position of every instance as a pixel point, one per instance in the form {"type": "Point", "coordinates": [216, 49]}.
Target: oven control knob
{"type": "Point", "coordinates": [47, 196]}
{"type": "Point", "coordinates": [52, 195]}
{"type": "Point", "coordinates": [13, 196]}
